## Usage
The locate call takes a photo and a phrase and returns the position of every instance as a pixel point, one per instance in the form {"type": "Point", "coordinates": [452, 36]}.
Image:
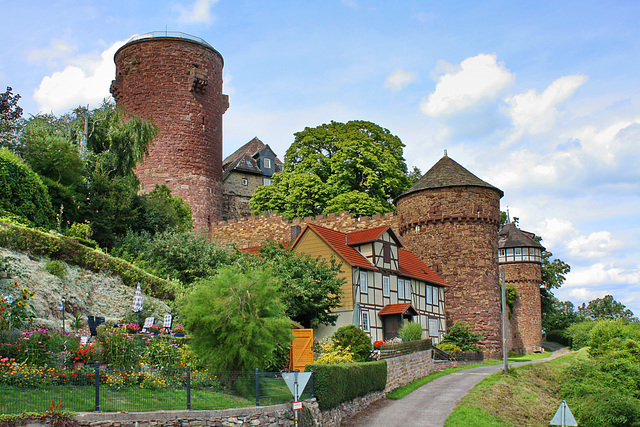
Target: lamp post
{"type": "Point", "coordinates": [61, 307]}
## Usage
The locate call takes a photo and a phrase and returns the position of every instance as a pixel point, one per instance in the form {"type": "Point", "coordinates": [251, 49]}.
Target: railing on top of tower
{"type": "Point", "coordinates": [168, 34]}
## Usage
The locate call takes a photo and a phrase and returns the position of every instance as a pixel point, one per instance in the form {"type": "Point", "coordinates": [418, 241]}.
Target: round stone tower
{"type": "Point", "coordinates": [177, 80]}
{"type": "Point", "coordinates": [521, 258]}
{"type": "Point", "coordinates": [450, 219]}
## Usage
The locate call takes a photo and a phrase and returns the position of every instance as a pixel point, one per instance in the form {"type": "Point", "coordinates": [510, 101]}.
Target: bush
{"type": "Point", "coordinates": [558, 336]}
{"type": "Point", "coordinates": [579, 333]}
{"type": "Point", "coordinates": [355, 338]}
{"type": "Point", "coordinates": [56, 268]}
{"type": "Point", "coordinates": [331, 353]}
{"type": "Point", "coordinates": [410, 331]}
{"type": "Point", "coordinates": [334, 384]}
{"type": "Point", "coordinates": [23, 192]}
{"type": "Point", "coordinates": [460, 334]}
{"type": "Point", "coordinates": [449, 348]}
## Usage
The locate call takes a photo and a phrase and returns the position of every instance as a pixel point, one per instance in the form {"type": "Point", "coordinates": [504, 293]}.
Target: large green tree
{"type": "Point", "coordinates": [356, 165]}
{"type": "Point", "coordinates": [236, 319]}
{"type": "Point", "coordinates": [309, 288]}
{"type": "Point", "coordinates": [605, 308]}
{"type": "Point", "coordinates": [10, 118]}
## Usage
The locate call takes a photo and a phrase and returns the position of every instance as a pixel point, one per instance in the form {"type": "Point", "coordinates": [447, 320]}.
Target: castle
{"type": "Point", "coordinates": [450, 218]}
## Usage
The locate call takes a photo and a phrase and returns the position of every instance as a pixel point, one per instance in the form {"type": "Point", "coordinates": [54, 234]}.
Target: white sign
{"type": "Point", "coordinates": [296, 381]}
{"type": "Point", "coordinates": [297, 406]}
{"type": "Point", "coordinates": [563, 416]}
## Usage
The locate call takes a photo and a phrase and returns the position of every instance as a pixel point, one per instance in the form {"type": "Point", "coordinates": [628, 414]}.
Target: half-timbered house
{"type": "Point", "coordinates": [385, 285]}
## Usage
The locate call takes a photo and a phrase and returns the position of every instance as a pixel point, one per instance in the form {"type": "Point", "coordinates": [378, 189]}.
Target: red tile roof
{"type": "Point", "coordinates": [412, 266]}
{"type": "Point", "coordinates": [337, 241]}
{"type": "Point", "coordinates": [409, 264]}
{"type": "Point", "coordinates": [397, 309]}
{"type": "Point", "coordinates": [367, 235]}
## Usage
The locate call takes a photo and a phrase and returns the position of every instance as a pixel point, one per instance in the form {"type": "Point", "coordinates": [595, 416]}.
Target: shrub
{"type": "Point", "coordinates": [56, 268]}
{"type": "Point", "coordinates": [579, 334]}
{"type": "Point", "coordinates": [334, 384]}
{"type": "Point", "coordinates": [461, 335]}
{"type": "Point", "coordinates": [355, 338]}
{"type": "Point", "coordinates": [410, 331]}
{"type": "Point", "coordinates": [331, 352]}
{"type": "Point", "coordinates": [449, 348]}
{"type": "Point", "coordinates": [558, 336]}
{"type": "Point", "coordinates": [23, 192]}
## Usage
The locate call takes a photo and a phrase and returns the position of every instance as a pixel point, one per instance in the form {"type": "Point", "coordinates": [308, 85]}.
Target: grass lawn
{"type": "Point", "coordinates": [82, 399]}
{"type": "Point", "coordinates": [526, 396]}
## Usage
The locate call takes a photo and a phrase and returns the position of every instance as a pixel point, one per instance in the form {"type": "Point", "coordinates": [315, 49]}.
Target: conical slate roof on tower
{"type": "Point", "coordinates": [448, 173]}
{"type": "Point", "coordinates": [511, 236]}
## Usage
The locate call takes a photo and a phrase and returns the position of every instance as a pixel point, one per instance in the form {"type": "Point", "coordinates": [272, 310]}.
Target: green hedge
{"type": "Point", "coordinates": [69, 250]}
{"type": "Point", "coordinates": [337, 383]}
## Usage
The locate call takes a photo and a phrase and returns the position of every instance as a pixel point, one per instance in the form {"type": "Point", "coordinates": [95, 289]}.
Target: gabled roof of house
{"type": "Point", "coordinates": [409, 264]}
{"type": "Point", "coordinates": [448, 173]}
{"type": "Point", "coordinates": [412, 266]}
{"type": "Point", "coordinates": [397, 309]}
{"type": "Point", "coordinates": [511, 236]}
{"type": "Point", "coordinates": [337, 240]}
{"type": "Point", "coordinates": [371, 234]}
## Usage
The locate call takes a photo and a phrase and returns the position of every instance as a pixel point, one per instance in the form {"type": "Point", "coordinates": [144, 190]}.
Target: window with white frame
{"type": "Point", "coordinates": [429, 294]}
{"type": "Point", "coordinates": [385, 286]}
{"type": "Point", "coordinates": [407, 289]}
{"type": "Point", "coordinates": [400, 288]}
{"type": "Point", "coordinates": [364, 315]}
{"type": "Point", "coordinates": [266, 181]}
{"type": "Point", "coordinates": [364, 286]}
{"type": "Point", "coordinates": [267, 163]}
{"type": "Point", "coordinates": [433, 327]}
{"type": "Point", "coordinates": [436, 295]}
{"type": "Point", "coordinates": [245, 181]}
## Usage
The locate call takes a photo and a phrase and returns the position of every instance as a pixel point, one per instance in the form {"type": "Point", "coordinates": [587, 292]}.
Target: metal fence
{"type": "Point", "coordinates": [101, 388]}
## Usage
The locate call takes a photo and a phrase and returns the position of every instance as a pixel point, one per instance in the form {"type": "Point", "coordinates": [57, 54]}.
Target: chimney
{"type": "Point", "coordinates": [295, 232]}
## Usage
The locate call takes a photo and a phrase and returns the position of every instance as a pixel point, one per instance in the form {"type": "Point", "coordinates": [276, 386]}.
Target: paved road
{"type": "Point", "coordinates": [431, 404]}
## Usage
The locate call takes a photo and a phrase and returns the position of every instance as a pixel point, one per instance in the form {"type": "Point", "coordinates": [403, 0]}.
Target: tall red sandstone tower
{"type": "Point", "coordinates": [450, 219]}
{"type": "Point", "coordinates": [177, 80]}
{"type": "Point", "coordinates": [521, 258]}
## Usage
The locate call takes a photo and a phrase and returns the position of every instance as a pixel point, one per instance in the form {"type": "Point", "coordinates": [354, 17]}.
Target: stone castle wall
{"type": "Point", "coordinates": [255, 230]}
{"type": "Point", "coordinates": [454, 231]}
{"type": "Point", "coordinates": [526, 320]}
{"type": "Point", "coordinates": [155, 78]}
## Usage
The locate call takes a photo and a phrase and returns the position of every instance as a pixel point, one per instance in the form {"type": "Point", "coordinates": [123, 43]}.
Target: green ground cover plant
{"type": "Point", "coordinates": [526, 396]}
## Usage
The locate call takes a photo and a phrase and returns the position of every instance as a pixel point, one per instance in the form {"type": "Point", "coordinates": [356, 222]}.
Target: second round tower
{"type": "Point", "coordinates": [450, 219]}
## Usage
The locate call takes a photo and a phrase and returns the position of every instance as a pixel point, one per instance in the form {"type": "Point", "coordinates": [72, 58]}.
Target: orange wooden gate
{"type": "Point", "coordinates": [301, 353]}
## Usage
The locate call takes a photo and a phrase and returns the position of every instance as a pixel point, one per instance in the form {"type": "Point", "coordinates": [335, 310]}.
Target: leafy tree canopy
{"type": "Point", "coordinates": [605, 308]}
{"type": "Point", "coordinates": [236, 320]}
{"type": "Point", "coordinates": [310, 288]}
{"type": "Point", "coordinates": [10, 114]}
{"type": "Point", "coordinates": [356, 165]}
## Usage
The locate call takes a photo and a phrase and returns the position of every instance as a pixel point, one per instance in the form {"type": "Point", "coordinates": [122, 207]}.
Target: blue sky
{"type": "Point", "coordinates": [541, 99]}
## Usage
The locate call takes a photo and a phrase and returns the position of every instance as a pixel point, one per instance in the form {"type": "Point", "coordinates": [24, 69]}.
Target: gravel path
{"type": "Point", "coordinates": [431, 404]}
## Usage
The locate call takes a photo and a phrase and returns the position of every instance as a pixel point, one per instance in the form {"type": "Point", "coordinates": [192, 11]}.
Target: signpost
{"type": "Point", "coordinates": [563, 416]}
{"type": "Point", "coordinates": [296, 381]}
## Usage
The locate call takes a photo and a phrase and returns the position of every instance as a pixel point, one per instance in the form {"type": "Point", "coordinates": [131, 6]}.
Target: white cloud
{"type": "Point", "coordinates": [200, 11]}
{"type": "Point", "coordinates": [562, 233]}
{"type": "Point", "coordinates": [601, 276]}
{"type": "Point", "coordinates": [476, 80]}
{"type": "Point", "coordinates": [77, 84]}
{"type": "Point", "coordinates": [399, 79]}
{"type": "Point", "coordinates": [57, 49]}
{"type": "Point", "coordinates": [537, 113]}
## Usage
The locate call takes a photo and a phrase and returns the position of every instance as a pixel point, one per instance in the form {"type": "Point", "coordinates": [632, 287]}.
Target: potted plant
{"type": "Point", "coordinates": [178, 331]}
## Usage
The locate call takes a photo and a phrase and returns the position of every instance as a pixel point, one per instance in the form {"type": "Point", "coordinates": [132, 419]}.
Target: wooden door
{"type": "Point", "coordinates": [301, 353]}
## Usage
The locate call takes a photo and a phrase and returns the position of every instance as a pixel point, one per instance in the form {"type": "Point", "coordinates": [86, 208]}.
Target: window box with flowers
{"type": "Point", "coordinates": [177, 331]}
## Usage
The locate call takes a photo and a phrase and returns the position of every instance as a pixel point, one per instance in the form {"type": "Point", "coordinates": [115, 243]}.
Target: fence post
{"type": "Point", "coordinates": [188, 387]}
{"type": "Point", "coordinates": [97, 386]}
{"type": "Point", "coordinates": [257, 388]}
